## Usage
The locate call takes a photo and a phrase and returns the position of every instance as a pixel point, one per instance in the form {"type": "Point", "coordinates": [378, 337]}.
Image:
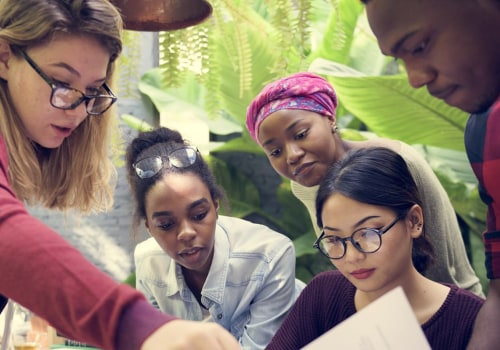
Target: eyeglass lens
{"type": "Point", "coordinates": [366, 240]}
{"type": "Point", "coordinates": [69, 98]}
{"type": "Point", "coordinates": [180, 158]}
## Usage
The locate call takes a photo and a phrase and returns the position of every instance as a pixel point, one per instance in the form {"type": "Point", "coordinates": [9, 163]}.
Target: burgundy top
{"type": "Point", "coordinates": [329, 299]}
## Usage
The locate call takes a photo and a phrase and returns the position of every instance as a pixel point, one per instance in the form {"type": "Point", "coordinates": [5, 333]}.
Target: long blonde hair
{"type": "Point", "coordinates": [79, 174]}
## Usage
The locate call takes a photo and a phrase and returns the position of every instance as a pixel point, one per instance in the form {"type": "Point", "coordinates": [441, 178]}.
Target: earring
{"type": "Point", "coordinates": [334, 129]}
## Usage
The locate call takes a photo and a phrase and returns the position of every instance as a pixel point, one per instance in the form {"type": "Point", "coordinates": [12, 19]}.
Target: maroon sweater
{"type": "Point", "coordinates": [43, 272]}
{"type": "Point", "coordinates": [329, 299]}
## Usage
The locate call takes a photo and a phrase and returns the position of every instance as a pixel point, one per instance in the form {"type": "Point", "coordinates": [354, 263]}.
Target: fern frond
{"type": "Point", "coordinates": [170, 58]}
{"type": "Point", "coordinates": [222, 26]}
{"type": "Point", "coordinates": [212, 78]}
{"type": "Point", "coordinates": [245, 59]}
{"type": "Point", "coordinates": [303, 24]}
{"type": "Point", "coordinates": [242, 13]}
{"type": "Point", "coordinates": [128, 68]}
{"type": "Point", "coordinates": [226, 35]}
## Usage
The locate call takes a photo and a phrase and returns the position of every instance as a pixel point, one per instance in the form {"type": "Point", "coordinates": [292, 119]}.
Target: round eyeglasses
{"type": "Point", "coordinates": [65, 97]}
{"type": "Point", "coordinates": [179, 158]}
{"type": "Point", "coordinates": [365, 240]}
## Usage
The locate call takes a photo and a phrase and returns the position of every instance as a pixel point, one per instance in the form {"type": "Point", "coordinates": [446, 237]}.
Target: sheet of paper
{"type": "Point", "coordinates": [386, 324]}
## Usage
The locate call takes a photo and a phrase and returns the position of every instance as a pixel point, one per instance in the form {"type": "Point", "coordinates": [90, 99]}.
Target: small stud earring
{"type": "Point", "coordinates": [334, 129]}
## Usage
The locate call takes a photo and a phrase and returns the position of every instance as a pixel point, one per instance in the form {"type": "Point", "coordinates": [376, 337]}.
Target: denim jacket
{"type": "Point", "coordinates": [249, 289]}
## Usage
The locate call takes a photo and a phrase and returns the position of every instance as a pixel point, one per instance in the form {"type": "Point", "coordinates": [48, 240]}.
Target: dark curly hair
{"type": "Point", "coordinates": [160, 142]}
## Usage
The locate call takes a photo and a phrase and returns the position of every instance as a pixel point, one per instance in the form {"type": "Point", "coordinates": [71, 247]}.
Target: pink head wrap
{"type": "Point", "coordinates": [304, 90]}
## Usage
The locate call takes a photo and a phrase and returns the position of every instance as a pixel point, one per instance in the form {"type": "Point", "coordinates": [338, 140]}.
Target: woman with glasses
{"type": "Point", "coordinates": [293, 119]}
{"type": "Point", "coordinates": [200, 265]}
{"type": "Point", "coordinates": [373, 231]}
{"type": "Point", "coordinates": [57, 59]}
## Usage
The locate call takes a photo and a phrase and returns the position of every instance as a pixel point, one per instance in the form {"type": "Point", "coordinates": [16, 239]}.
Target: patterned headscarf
{"type": "Point", "coordinates": [303, 90]}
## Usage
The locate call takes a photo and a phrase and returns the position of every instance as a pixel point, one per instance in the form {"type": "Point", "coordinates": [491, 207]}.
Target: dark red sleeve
{"type": "Point", "coordinates": [43, 272]}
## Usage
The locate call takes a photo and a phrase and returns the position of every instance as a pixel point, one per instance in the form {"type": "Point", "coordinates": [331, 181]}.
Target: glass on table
{"type": "Point", "coordinates": [29, 332]}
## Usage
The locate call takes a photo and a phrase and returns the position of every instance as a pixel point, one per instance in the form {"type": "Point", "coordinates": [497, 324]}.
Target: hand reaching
{"type": "Point", "coordinates": [190, 335]}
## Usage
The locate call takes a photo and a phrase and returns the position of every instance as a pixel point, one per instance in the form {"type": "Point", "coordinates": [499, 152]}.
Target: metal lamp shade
{"type": "Point", "coordinates": [162, 15]}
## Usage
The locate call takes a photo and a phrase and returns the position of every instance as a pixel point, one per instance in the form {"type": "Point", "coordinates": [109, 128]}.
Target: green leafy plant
{"type": "Point", "coordinates": [244, 46]}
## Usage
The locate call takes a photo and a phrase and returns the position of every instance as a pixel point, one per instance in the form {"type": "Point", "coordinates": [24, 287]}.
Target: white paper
{"type": "Point", "coordinates": [387, 323]}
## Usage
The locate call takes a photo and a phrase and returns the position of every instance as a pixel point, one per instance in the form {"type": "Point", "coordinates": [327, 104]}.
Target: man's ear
{"type": "Point", "coordinates": [5, 56]}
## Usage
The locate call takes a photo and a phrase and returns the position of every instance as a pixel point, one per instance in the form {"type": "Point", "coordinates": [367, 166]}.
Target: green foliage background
{"type": "Point", "coordinates": [214, 70]}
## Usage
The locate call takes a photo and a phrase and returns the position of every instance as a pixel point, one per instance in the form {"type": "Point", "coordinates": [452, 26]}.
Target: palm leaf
{"type": "Point", "coordinates": [391, 108]}
{"type": "Point", "coordinates": [185, 100]}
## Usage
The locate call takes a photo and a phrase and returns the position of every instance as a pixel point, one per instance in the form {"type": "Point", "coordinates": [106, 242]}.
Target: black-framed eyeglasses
{"type": "Point", "coordinates": [65, 97]}
{"type": "Point", "coordinates": [179, 158]}
{"type": "Point", "coordinates": [366, 240]}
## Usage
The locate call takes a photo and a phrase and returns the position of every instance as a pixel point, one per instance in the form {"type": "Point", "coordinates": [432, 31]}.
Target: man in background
{"type": "Point", "coordinates": [452, 47]}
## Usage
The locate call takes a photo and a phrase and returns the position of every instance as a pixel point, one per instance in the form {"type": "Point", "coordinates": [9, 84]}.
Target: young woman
{"type": "Point", "coordinates": [199, 265]}
{"type": "Point", "coordinates": [293, 120]}
{"type": "Point", "coordinates": [57, 59]}
{"type": "Point", "coordinates": [372, 225]}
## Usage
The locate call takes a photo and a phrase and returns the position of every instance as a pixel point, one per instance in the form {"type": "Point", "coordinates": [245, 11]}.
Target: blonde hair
{"type": "Point", "coordinates": [79, 174]}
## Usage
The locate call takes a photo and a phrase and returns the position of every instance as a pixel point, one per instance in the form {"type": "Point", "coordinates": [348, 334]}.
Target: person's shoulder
{"type": "Point", "coordinates": [393, 145]}
{"type": "Point", "coordinates": [464, 298]}
{"type": "Point", "coordinates": [303, 192]}
{"type": "Point", "coordinates": [464, 293]}
{"type": "Point", "coordinates": [148, 247]}
{"type": "Point", "coordinates": [408, 152]}
{"type": "Point", "coordinates": [413, 157]}
{"type": "Point", "coordinates": [245, 229]}
{"type": "Point", "coordinates": [247, 236]}
{"type": "Point", "coordinates": [487, 121]}
{"type": "Point", "coordinates": [495, 109]}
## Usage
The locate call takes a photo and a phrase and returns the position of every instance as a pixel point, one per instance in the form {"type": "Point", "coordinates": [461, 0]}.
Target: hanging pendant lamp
{"type": "Point", "coordinates": [162, 15]}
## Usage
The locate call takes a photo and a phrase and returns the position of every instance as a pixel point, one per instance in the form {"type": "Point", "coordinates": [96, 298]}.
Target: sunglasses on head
{"type": "Point", "coordinates": [178, 158]}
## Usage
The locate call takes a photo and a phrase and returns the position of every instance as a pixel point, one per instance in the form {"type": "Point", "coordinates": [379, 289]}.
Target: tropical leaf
{"type": "Point", "coordinates": [242, 193]}
{"type": "Point", "coordinates": [339, 34]}
{"type": "Point", "coordinates": [454, 164]}
{"type": "Point", "coordinates": [185, 100]}
{"type": "Point", "coordinates": [136, 123]}
{"type": "Point", "coordinates": [233, 99]}
{"type": "Point", "coordinates": [304, 244]}
{"type": "Point", "coordinates": [455, 174]}
{"type": "Point", "coordinates": [391, 108]}
{"type": "Point", "coordinates": [295, 218]}
{"type": "Point", "coordinates": [239, 144]}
